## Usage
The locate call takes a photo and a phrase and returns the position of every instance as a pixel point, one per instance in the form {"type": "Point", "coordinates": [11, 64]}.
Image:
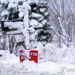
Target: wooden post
{"type": "Point", "coordinates": [26, 7]}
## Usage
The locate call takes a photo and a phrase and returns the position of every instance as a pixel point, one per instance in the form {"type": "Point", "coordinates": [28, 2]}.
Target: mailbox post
{"type": "Point", "coordinates": [25, 31]}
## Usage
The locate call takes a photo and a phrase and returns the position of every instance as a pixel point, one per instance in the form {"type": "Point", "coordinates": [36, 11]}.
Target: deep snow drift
{"type": "Point", "coordinates": [10, 65]}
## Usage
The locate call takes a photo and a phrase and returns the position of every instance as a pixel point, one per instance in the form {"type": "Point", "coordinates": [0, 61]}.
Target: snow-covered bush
{"type": "Point", "coordinates": [51, 52]}
{"type": "Point", "coordinates": [44, 34]}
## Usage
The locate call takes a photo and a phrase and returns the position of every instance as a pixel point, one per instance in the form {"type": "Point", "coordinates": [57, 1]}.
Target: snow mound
{"type": "Point", "coordinates": [8, 58]}
{"type": "Point", "coordinates": [10, 65]}
{"type": "Point", "coordinates": [49, 67]}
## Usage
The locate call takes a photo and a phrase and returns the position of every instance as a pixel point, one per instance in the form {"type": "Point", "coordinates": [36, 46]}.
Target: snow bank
{"type": "Point", "coordinates": [10, 65]}
{"type": "Point", "coordinates": [51, 52]}
{"type": "Point", "coordinates": [52, 61]}
{"type": "Point", "coordinates": [8, 58]}
{"type": "Point", "coordinates": [49, 67]}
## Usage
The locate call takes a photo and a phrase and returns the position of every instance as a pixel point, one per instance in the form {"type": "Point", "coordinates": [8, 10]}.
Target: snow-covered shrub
{"type": "Point", "coordinates": [51, 52]}
{"type": "Point", "coordinates": [44, 35]}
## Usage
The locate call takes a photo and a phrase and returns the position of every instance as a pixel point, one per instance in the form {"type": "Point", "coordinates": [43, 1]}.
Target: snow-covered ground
{"type": "Point", "coordinates": [10, 65]}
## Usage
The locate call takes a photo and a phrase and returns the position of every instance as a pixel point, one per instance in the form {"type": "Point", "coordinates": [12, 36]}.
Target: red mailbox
{"type": "Point", "coordinates": [33, 55]}
{"type": "Point", "coordinates": [22, 56]}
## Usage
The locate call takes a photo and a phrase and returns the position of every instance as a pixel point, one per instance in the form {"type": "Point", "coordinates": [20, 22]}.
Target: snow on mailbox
{"type": "Point", "coordinates": [33, 55]}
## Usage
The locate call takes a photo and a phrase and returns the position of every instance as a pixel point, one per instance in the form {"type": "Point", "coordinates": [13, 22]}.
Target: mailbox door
{"type": "Point", "coordinates": [34, 55]}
